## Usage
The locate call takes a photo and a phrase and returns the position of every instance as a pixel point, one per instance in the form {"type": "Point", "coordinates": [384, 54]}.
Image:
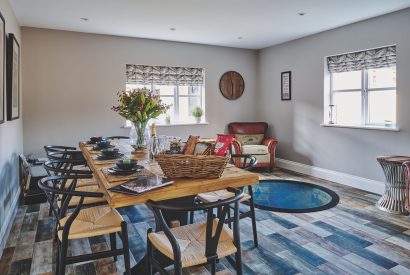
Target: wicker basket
{"type": "Point", "coordinates": [189, 166]}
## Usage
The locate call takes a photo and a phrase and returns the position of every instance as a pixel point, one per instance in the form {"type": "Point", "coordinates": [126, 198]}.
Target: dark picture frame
{"type": "Point", "coordinates": [3, 67]}
{"type": "Point", "coordinates": [286, 85]}
{"type": "Point", "coordinates": [13, 78]}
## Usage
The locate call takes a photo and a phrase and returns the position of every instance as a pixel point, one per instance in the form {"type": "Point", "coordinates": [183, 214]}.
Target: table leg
{"type": "Point", "coordinates": [169, 216]}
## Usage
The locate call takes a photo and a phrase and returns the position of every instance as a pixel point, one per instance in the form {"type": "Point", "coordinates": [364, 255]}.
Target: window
{"type": "Point", "coordinates": [181, 87]}
{"type": "Point", "coordinates": [182, 98]}
{"type": "Point", "coordinates": [363, 88]}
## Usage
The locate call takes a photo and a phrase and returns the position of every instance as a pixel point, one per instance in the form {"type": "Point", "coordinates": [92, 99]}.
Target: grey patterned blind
{"type": "Point", "coordinates": [368, 59]}
{"type": "Point", "coordinates": [164, 75]}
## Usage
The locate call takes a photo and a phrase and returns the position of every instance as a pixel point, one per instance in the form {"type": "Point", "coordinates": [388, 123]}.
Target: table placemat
{"type": "Point", "coordinates": [115, 178]}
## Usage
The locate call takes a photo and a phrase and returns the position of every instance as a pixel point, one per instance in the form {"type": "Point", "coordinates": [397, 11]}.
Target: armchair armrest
{"type": "Point", "coordinates": [271, 143]}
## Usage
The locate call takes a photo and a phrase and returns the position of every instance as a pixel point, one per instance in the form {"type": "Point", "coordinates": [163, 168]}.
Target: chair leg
{"type": "Point", "coordinates": [253, 217]}
{"type": "Point", "coordinates": [238, 260]}
{"type": "Point", "coordinates": [124, 233]}
{"type": "Point", "coordinates": [191, 217]}
{"type": "Point", "coordinates": [113, 243]}
{"type": "Point", "coordinates": [229, 218]}
{"type": "Point", "coordinates": [63, 256]}
{"type": "Point", "coordinates": [149, 254]}
{"type": "Point", "coordinates": [58, 257]}
{"type": "Point", "coordinates": [213, 267]}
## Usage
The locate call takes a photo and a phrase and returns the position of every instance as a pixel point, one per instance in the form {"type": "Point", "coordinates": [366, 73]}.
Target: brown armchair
{"type": "Point", "coordinates": [251, 139]}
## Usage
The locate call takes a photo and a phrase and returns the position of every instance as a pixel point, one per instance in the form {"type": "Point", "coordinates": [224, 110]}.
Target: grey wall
{"type": "Point", "coordinates": [71, 81]}
{"type": "Point", "coordinates": [11, 145]}
{"type": "Point", "coordinates": [296, 123]}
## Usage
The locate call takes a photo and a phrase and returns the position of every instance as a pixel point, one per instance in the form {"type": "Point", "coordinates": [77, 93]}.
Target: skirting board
{"type": "Point", "coordinates": [8, 222]}
{"type": "Point", "coordinates": [339, 177]}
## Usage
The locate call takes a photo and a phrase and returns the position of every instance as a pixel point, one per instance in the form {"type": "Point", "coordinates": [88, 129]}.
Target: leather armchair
{"type": "Point", "coordinates": [264, 152]}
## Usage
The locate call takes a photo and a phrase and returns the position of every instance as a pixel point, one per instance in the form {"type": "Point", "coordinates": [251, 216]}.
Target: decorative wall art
{"type": "Point", "coordinates": [285, 85]}
{"type": "Point", "coordinates": [231, 85]}
{"type": "Point", "coordinates": [13, 78]}
{"type": "Point", "coordinates": [2, 65]}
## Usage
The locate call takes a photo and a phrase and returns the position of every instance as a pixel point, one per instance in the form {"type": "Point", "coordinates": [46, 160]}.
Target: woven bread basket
{"type": "Point", "coordinates": [189, 166]}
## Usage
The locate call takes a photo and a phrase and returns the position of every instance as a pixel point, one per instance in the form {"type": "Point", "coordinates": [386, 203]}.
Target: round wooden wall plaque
{"type": "Point", "coordinates": [231, 85]}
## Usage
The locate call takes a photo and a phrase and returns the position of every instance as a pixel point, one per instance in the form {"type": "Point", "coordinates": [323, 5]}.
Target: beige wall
{"type": "Point", "coordinates": [296, 123]}
{"type": "Point", "coordinates": [71, 81]}
{"type": "Point", "coordinates": [11, 145]}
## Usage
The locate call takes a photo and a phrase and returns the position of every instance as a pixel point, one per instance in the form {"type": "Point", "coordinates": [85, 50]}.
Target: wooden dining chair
{"type": "Point", "coordinates": [245, 162]}
{"type": "Point", "coordinates": [198, 243]}
{"type": "Point", "coordinates": [67, 168]}
{"type": "Point", "coordinates": [117, 137]}
{"type": "Point", "coordinates": [83, 222]}
{"type": "Point", "coordinates": [70, 152]}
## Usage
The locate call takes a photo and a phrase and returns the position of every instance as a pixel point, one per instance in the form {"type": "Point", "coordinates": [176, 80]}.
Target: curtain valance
{"type": "Point", "coordinates": [164, 75]}
{"type": "Point", "coordinates": [368, 59]}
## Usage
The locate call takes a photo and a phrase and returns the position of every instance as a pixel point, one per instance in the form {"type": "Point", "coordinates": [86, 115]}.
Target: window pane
{"type": "Point", "coordinates": [170, 101]}
{"type": "Point", "coordinates": [382, 107]}
{"type": "Point", "coordinates": [348, 107]}
{"type": "Point", "coordinates": [382, 78]}
{"type": "Point", "coordinates": [186, 105]}
{"type": "Point", "coordinates": [165, 89]}
{"type": "Point", "coordinates": [347, 80]}
{"type": "Point", "coordinates": [189, 90]}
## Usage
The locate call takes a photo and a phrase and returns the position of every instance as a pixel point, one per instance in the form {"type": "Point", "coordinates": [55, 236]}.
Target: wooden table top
{"type": "Point", "coordinates": [231, 177]}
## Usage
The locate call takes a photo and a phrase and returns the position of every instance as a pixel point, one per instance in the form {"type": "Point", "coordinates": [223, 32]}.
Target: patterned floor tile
{"type": "Point", "coordinates": [352, 238]}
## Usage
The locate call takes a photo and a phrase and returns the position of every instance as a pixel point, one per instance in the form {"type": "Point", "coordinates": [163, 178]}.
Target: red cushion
{"type": "Point", "coordinates": [222, 144]}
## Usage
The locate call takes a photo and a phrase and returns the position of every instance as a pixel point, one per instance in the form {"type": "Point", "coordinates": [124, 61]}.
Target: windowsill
{"type": "Point", "coordinates": [175, 124]}
{"type": "Point", "coordinates": [382, 128]}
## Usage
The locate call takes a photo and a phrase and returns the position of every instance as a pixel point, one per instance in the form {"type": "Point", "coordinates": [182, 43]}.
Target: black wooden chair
{"type": "Point", "coordinates": [245, 162]}
{"type": "Point", "coordinates": [198, 243]}
{"type": "Point", "coordinates": [70, 152]}
{"type": "Point", "coordinates": [67, 168]}
{"type": "Point", "coordinates": [117, 137]}
{"type": "Point", "coordinates": [83, 222]}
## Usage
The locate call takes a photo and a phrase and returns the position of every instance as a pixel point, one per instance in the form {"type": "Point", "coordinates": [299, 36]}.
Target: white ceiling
{"type": "Point", "coordinates": [261, 23]}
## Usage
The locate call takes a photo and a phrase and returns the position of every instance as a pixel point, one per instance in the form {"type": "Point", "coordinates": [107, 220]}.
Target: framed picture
{"type": "Point", "coordinates": [2, 65]}
{"type": "Point", "coordinates": [285, 85]}
{"type": "Point", "coordinates": [13, 78]}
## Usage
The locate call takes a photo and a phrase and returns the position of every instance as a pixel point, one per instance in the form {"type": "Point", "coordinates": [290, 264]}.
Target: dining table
{"type": "Point", "coordinates": [181, 191]}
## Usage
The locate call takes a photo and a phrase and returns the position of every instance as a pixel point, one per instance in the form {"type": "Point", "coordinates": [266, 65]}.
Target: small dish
{"type": "Point", "coordinates": [116, 171]}
{"type": "Point", "coordinates": [126, 164]}
{"type": "Point", "coordinates": [102, 157]}
{"type": "Point", "coordinates": [109, 152]}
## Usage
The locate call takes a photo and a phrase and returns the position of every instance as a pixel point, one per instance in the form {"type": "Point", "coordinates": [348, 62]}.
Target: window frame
{"type": "Point", "coordinates": [365, 90]}
{"type": "Point", "coordinates": [176, 97]}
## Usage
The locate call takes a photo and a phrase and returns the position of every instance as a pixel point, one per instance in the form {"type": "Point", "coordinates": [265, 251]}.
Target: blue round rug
{"type": "Point", "coordinates": [293, 196]}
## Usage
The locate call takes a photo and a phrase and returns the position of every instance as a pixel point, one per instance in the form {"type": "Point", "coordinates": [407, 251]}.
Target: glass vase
{"type": "Point", "coordinates": [142, 135]}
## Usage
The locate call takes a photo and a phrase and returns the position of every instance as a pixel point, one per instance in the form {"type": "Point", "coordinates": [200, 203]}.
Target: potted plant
{"type": "Point", "coordinates": [139, 106]}
{"type": "Point", "coordinates": [197, 112]}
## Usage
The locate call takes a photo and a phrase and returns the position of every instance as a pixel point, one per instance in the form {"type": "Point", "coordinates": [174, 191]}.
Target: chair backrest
{"type": "Point", "coordinates": [66, 155]}
{"type": "Point", "coordinates": [212, 234]}
{"type": "Point", "coordinates": [65, 167]}
{"type": "Point", "coordinates": [248, 127]}
{"type": "Point", "coordinates": [406, 166]}
{"type": "Point", "coordinates": [65, 186]}
{"type": "Point", "coordinates": [117, 137]}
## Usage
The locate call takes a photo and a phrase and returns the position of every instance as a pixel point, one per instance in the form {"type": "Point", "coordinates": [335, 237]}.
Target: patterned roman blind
{"type": "Point", "coordinates": [368, 59]}
{"type": "Point", "coordinates": [164, 75]}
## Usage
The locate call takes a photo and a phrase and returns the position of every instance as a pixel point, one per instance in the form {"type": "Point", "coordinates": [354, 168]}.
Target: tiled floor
{"type": "Point", "coordinates": [352, 238]}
